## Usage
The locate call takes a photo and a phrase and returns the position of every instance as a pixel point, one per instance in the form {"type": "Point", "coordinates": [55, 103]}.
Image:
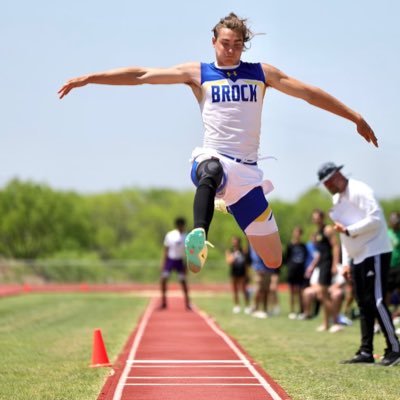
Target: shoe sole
{"type": "Point", "coordinates": [393, 364]}
{"type": "Point", "coordinates": [195, 246]}
{"type": "Point", "coordinates": [396, 362]}
{"type": "Point", "coordinates": [347, 362]}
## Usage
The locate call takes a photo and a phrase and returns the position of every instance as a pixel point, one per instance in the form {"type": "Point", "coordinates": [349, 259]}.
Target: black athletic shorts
{"type": "Point", "coordinates": [238, 271]}
{"type": "Point", "coordinates": [325, 273]}
{"type": "Point", "coordinates": [295, 274]}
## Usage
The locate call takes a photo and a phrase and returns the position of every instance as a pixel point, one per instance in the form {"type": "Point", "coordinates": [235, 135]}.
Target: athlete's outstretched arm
{"type": "Point", "coordinates": [184, 73]}
{"type": "Point", "coordinates": [319, 98]}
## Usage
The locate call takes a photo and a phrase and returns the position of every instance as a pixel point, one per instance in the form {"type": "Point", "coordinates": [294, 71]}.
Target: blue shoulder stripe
{"type": "Point", "coordinates": [251, 70]}
{"type": "Point", "coordinates": [209, 72]}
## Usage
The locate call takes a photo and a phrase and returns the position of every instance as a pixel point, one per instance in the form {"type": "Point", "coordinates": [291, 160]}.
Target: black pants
{"type": "Point", "coordinates": [370, 282]}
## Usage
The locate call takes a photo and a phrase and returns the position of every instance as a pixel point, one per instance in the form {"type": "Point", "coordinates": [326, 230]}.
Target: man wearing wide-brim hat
{"type": "Point", "coordinates": [366, 253]}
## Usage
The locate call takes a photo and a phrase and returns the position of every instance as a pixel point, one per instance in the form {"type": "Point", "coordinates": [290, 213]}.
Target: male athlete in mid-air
{"type": "Point", "coordinates": [230, 93]}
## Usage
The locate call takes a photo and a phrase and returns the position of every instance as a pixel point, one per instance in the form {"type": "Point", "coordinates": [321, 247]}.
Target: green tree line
{"type": "Point", "coordinates": [39, 222]}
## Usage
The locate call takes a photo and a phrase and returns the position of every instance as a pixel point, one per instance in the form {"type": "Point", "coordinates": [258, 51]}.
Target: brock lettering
{"type": "Point", "coordinates": [224, 93]}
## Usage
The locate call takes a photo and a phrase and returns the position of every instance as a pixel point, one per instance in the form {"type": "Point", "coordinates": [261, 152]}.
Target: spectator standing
{"type": "Point", "coordinates": [173, 259]}
{"type": "Point", "coordinates": [366, 253]}
{"type": "Point", "coordinates": [262, 280]}
{"type": "Point", "coordinates": [296, 257]}
{"type": "Point", "coordinates": [237, 261]}
{"type": "Point", "coordinates": [273, 297]}
{"type": "Point", "coordinates": [326, 260]}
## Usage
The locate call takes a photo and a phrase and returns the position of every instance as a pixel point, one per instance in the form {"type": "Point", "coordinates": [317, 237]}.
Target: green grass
{"type": "Point", "coordinates": [46, 344]}
{"type": "Point", "coordinates": [304, 362]}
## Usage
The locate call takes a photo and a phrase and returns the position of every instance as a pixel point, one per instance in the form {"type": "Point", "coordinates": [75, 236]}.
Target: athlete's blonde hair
{"type": "Point", "coordinates": [236, 24]}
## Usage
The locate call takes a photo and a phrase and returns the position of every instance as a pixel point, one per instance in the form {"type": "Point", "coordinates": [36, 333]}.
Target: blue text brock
{"type": "Point", "coordinates": [224, 93]}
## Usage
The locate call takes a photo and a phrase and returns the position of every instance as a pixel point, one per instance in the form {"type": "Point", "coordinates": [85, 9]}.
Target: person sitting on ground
{"type": "Point", "coordinates": [310, 297]}
{"type": "Point", "coordinates": [336, 292]}
{"type": "Point", "coordinates": [394, 271]}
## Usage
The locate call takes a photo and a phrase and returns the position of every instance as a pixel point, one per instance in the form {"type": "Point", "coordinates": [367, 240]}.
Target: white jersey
{"type": "Point", "coordinates": [175, 242]}
{"type": "Point", "coordinates": [231, 108]}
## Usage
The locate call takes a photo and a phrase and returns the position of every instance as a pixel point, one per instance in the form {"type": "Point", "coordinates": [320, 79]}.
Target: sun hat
{"type": "Point", "coordinates": [327, 170]}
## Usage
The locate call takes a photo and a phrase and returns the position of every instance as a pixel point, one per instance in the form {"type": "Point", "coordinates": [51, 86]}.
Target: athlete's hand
{"type": "Point", "coordinates": [366, 132]}
{"type": "Point", "coordinates": [72, 84]}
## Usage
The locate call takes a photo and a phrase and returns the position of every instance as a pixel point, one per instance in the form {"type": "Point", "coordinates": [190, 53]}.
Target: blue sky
{"type": "Point", "coordinates": [103, 138]}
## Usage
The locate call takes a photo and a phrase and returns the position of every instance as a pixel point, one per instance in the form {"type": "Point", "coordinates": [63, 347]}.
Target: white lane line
{"type": "Point", "coordinates": [193, 384]}
{"type": "Point", "coordinates": [241, 356]}
{"type": "Point", "coordinates": [189, 366]}
{"type": "Point", "coordinates": [130, 361]}
{"type": "Point", "coordinates": [192, 377]}
{"type": "Point", "coordinates": [139, 334]}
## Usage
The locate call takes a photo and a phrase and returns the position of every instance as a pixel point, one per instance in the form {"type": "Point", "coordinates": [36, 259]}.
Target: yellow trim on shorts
{"type": "Point", "coordinates": [264, 216]}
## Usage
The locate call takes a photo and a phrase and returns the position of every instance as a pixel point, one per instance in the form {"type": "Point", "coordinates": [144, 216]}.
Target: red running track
{"type": "Point", "coordinates": [176, 354]}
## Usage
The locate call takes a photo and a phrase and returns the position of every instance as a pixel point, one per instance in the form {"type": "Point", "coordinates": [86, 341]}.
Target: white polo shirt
{"type": "Point", "coordinates": [175, 242]}
{"type": "Point", "coordinates": [359, 211]}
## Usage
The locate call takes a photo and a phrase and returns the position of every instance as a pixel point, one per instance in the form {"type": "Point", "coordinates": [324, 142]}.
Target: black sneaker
{"type": "Point", "coordinates": [360, 358]}
{"type": "Point", "coordinates": [390, 358]}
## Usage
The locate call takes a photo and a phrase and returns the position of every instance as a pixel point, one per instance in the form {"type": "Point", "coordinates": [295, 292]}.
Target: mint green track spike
{"type": "Point", "coordinates": [196, 249]}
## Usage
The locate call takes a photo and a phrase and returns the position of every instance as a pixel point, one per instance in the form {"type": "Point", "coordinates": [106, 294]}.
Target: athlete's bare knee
{"type": "Point", "coordinates": [269, 248]}
{"type": "Point", "coordinates": [273, 260]}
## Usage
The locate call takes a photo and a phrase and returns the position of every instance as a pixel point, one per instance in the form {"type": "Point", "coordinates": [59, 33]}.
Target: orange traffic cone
{"type": "Point", "coordinates": [26, 287]}
{"type": "Point", "coordinates": [99, 355]}
{"type": "Point", "coordinates": [84, 287]}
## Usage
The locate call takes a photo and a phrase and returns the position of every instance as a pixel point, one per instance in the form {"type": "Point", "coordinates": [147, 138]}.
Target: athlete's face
{"type": "Point", "coordinates": [228, 47]}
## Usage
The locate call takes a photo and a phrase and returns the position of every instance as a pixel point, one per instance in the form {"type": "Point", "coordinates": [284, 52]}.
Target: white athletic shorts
{"type": "Point", "coordinates": [241, 179]}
